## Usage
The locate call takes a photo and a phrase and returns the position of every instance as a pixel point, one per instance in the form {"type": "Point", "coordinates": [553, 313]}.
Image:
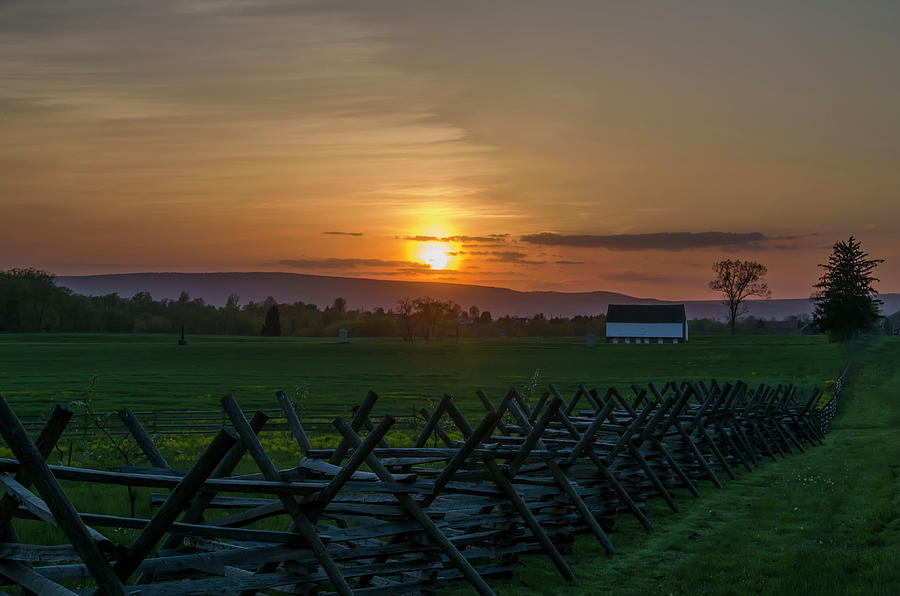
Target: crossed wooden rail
{"type": "Point", "coordinates": [525, 479]}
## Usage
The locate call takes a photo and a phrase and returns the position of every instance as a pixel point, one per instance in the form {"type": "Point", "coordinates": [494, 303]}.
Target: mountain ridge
{"type": "Point", "coordinates": [366, 293]}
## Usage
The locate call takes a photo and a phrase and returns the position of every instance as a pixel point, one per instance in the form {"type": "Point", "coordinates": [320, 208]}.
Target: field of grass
{"type": "Point", "coordinates": [825, 522]}
{"type": "Point", "coordinates": [146, 372]}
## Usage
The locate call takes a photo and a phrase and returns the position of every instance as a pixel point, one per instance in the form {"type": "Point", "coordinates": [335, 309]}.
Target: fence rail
{"type": "Point", "coordinates": [827, 412]}
{"type": "Point", "coordinates": [210, 422]}
{"type": "Point", "coordinates": [464, 502]}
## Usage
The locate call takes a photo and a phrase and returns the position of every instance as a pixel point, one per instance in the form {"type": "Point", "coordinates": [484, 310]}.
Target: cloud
{"type": "Point", "coordinates": [425, 269]}
{"type": "Point", "coordinates": [657, 241]}
{"type": "Point", "coordinates": [795, 241]}
{"type": "Point", "coordinates": [636, 276]}
{"type": "Point", "coordinates": [336, 263]}
{"type": "Point", "coordinates": [343, 233]}
{"type": "Point", "coordinates": [506, 256]}
{"type": "Point", "coordinates": [489, 239]}
{"type": "Point", "coordinates": [568, 262]}
{"type": "Point", "coordinates": [354, 265]}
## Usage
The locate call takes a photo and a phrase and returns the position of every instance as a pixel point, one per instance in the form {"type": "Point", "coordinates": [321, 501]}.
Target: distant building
{"type": "Point", "coordinates": [646, 323]}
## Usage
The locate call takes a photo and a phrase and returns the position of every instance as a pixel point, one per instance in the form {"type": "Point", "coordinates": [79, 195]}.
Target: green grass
{"type": "Point", "coordinates": [824, 522]}
{"type": "Point", "coordinates": [151, 372]}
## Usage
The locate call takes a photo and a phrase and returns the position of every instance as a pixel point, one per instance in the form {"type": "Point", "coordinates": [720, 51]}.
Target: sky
{"type": "Point", "coordinates": [574, 146]}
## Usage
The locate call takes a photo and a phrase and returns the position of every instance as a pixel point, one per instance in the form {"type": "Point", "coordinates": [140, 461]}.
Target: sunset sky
{"type": "Point", "coordinates": [619, 146]}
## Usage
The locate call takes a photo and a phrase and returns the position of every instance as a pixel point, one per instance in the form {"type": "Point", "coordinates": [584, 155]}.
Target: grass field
{"type": "Point", "coordinates": [825, 522]}
{"type": "Point", "coordinates": [151, 372]}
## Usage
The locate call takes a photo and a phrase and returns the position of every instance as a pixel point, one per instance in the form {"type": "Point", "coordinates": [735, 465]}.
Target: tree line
{"type": "Point", "coordinates": [30, 300]}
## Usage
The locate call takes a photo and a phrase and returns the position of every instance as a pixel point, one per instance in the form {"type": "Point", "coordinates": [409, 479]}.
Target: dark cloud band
{"type": "Point", "coordinates": [659, 241]}
{"type": "Point", "coordinates": [491, 238]}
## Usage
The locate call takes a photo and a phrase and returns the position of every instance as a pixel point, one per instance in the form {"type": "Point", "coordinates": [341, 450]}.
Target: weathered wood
{"type": "Point", "coordinates": [504, 484]}
{"type": "Point", "coordinates": [361, 413]}
{"type": "Point", "coordinates": [582, 441]}
{"type": "Point", "coordinates": [487, 424]}
{"type": "Point", "coordinates": [28, 578]}
{"type": "Point", "coordinates": [425, 515]}
{"type": "Point", "coordinates": [214, 485]}
{"type": "Point", "coordinates": [33, 553]}
{"type": "Point", "coordinates": [65, 514]}
{"type": "Point", "coordinates": [50, 434]}
{"type": "Point", "coordinates": [302, 523]}
{"type": "Point", "coordinates": [559, 475]}
{"type": "Point", "coordinates": [174, 505]}
{"type": "Point", "coordinates": [357, 458]}
{"type": "Point", "coordinates": [293, 422]}
{"type": "Point", "coordinates": [416, 512]}
{"type": "Point", "coordinates": [141, 437]}
{"type": "Point", "coordinates": [199, 504]}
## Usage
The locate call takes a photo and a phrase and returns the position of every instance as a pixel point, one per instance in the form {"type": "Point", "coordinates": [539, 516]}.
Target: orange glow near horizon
{"type": "Point", "coordinates": [418, 142]}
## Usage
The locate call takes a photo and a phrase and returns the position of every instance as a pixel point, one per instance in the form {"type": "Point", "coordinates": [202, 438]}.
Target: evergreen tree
{"type": "Point", "coordinates": [846, 302]}
{"type": "Point", "coordinates": [272, 326]}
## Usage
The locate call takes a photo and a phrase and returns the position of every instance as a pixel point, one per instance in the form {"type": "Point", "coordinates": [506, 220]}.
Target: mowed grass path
{"type": "Point", "coordinates": [148, 372]}
{"type": "Point", "coordinates": [826, 522]}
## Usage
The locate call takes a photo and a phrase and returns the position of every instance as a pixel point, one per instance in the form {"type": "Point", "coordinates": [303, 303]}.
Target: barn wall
{"type": "Point", "coordinates": [644, 330]}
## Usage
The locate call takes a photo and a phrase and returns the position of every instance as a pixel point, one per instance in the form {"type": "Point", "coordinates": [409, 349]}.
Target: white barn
{"type": "Point", "coordinates": [646, 323]}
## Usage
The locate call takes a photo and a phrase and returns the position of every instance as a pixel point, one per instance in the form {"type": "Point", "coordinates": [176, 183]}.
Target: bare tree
{"type": "Point", "coordinates": [738, 280]}
{"type": "Point", "coordinates": [406, 308]}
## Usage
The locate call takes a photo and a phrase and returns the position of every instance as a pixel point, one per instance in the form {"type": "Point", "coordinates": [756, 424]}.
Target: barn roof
{"type": "Point", "coordinates": [645, 313]}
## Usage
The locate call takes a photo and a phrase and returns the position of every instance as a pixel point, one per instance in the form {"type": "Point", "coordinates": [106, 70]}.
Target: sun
{"type": "Point", "coordinates": [434, 254]}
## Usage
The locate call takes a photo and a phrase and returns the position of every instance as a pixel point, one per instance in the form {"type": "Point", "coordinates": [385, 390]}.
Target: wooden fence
{"type": "Point", "coordinates": [463, 503]}
{"type": "Point", "coordinates": [209, 422]}
{"type": "Point", "coordinates": [827, 412]}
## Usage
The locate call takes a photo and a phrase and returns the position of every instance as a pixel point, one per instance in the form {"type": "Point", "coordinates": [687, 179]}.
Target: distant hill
{"type": "Point", "coordinates": [371, 293]}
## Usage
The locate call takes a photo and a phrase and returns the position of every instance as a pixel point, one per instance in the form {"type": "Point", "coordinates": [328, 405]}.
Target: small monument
{"type": "Point", "coordinates": [590, 340]}
{"type": "Point", "coordinates": [342, 336]}
{"type": "Point", "coordinates": [182, 341]}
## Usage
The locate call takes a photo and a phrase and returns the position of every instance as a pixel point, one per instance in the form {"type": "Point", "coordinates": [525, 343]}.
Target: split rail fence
{"type": "Point", "coordinates": [365, 517]}
{"type": "Point", "coordinates": [209, 422]}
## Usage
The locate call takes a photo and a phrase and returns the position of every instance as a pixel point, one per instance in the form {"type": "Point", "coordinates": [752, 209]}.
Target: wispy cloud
{"type": "Point", "coordinates": [489, 239]}
{"type": "Point", "coordinates": [338, 263]}
{"type": "Point", "coordinates": [656, 241]}
{"type": "Point", "coordinates": [425, 269]}
{"type": "Point", "coordinates": [343, 233]}
{"type": "Point", "coordinates": [636, 276]}
{"type": "Point", "coordinates": [506, 256]}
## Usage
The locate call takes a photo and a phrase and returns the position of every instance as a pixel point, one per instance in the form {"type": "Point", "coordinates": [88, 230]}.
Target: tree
{"type": "Point", "coordinates": [846, 302]}
{"type": "Point", "coordinates": [738, 280]}
{"type": "Point", "coordinates": [28, 293]}
{"type": "Point", "coordinates": [272, 326]}
{"type": "Point", "coordinates": [430, 312]}
{"type": "Point", "coordinates": [406, 308]}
